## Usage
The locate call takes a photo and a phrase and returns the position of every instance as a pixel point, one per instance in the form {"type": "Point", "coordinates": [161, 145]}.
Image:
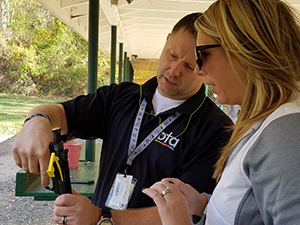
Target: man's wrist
{"type": "Point", "coordinates": [38, 115]}
{"type": "Point", "coordinates": [99, 215]}
{"type": "Point", "coordinates": [105, 218]}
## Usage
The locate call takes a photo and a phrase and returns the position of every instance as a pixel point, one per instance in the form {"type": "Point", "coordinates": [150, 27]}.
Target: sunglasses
{"type": "Point", "coordinates": [198, 50]}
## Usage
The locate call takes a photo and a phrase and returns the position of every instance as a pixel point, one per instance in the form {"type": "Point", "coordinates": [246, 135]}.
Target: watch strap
{"type": "Point", "coordinates": [105, 217]}
{"type": "Point", "coordinates": [106, 213]}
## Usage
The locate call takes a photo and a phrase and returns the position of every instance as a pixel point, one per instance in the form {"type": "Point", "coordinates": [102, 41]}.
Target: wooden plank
{"type": "Point", "coordinates": [28, 184]}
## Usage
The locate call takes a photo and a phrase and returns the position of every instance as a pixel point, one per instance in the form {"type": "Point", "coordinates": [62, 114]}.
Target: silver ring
{"type": "Point", "coordinates": [64, 220]}
{"type": "Point", "coordinates": [166, 191]}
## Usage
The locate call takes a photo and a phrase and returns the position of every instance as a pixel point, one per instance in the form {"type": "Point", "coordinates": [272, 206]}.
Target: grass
{"type": "Point", "coordinates": [14, 110]}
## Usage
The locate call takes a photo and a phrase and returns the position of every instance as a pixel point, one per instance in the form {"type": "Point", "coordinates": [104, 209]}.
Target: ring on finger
{"type": "Point", "coordinates": [64, 220]}
{"type": "Point", "coordinates": [166, 191]}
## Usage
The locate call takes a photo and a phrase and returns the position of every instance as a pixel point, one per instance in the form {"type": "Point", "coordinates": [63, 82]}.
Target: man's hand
{"type": "Point", "coordinates": [31, 145]}
{"type": "Point", "coordinates": [77, 209]}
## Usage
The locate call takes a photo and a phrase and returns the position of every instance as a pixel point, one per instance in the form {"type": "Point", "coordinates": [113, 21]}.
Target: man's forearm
{"type": "Point", "coordinates": [145, 216]}
{"type": "Point", "coordinates": [56, 112]}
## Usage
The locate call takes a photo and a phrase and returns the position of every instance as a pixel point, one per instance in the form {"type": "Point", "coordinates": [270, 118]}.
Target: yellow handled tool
{"type": "Point", "coordinates": [58, 168]}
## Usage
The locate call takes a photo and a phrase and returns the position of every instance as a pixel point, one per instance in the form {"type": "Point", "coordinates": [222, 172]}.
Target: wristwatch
{"type": "Point", "coordinates": [105, 218]}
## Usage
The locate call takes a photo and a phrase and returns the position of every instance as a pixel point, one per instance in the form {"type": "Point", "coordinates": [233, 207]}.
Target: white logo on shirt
{"type": "Point", "coordinates": [167, 140]}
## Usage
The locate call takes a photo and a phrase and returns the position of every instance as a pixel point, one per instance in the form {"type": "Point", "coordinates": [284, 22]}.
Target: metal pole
{"type": "Point", "coordinates": [92, 65]}
{"type": "Point", "coordinates": [113, 54]}
{"type": "Point", "coordinates": [120, 61]}
{"type": "Point", "coordinates": [125, 66]}
{"type": "Point", "coordinates": [128, 69]}
{"type": "Point", "coordinates": [131, 73]}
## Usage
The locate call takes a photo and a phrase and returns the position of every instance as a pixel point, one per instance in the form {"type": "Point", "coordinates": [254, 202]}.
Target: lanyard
{"type": "Point", "coordinates": [132, 150]}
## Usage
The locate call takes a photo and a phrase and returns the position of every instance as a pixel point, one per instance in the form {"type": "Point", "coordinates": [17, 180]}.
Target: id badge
{"type": "Point", "coordinates": [121, 192]}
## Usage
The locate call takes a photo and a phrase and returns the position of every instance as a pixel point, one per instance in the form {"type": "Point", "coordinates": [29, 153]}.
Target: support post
{"type": "Point", "coordinates": [120, 62]}
{"type": "Point", "coordinates": [131, 72]}
{"type": "Point", "coordinates": [92, 65]}
{"type": "Point", "coordinates": [128, 69]}
{"type": "Point", "coordinates": [113, 54]}
{"type": "Point", "coordinates": [125, 66]}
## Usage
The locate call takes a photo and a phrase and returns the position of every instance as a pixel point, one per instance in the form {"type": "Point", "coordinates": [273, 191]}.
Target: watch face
{"type": "Point", "coordinates": [106, 221]}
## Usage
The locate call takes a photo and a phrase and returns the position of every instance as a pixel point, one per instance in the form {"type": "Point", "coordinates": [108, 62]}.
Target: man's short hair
{"type": "Point", "coordinates": [187, 23]}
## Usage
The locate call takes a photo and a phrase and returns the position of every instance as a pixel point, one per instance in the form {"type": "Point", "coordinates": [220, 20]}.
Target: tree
{"type": "Point", "coordinates": [38, 49]}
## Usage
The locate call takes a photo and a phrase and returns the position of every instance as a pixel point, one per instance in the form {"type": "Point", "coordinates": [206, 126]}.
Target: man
{"type": "Point", "coordinates": [187, 131]}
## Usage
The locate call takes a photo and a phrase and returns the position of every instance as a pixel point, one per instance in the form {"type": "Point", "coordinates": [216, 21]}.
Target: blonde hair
{"type": "Point", "coordinates": [262, 37]}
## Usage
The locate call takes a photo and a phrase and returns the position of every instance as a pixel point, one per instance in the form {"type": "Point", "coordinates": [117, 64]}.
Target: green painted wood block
{"type": "Point", "coordinates": [28, 184]}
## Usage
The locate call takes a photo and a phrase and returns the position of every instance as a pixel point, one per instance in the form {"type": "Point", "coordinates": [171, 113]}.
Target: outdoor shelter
{"type": "Point", "coordinates": [130, 32]}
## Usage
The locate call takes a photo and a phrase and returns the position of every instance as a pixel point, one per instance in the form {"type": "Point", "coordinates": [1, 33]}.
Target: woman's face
{"type": "Point", "coordinates": [218, 73]}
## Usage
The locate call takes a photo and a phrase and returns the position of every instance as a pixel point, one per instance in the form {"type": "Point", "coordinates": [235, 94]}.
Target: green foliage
{"type": "Point", "coordinates": [38, 49]}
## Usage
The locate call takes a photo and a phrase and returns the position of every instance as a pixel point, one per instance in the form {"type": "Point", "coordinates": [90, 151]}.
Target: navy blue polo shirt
{"type": "Point", "coordinates": [109, 113]}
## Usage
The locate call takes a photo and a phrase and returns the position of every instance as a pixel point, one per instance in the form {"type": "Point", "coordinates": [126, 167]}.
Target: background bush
{"type": "Point", "coordinates": [36, 49]}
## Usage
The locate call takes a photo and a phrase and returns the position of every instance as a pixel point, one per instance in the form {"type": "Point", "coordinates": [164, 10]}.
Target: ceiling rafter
{"type": "Point", "coordinates": [142, 25]}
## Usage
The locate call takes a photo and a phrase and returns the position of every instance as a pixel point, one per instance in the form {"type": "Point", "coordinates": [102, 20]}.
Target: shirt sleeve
{"type": "Point", "coordinates": [88, 115]}
{"type": "Point", "coordinates": [199, 220]}
{"type": "Point", "coordinates": [272, 165]}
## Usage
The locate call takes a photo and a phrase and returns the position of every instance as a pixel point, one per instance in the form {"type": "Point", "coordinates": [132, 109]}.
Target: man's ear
{"type": "Point", "coordinates": [169, 34]}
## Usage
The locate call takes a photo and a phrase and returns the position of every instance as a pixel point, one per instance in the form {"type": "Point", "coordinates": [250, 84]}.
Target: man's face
{"type": "Point", "coordinates": [175, 71]}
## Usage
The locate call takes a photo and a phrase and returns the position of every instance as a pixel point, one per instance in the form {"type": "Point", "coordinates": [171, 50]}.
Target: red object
{"type": "Point", "coordinates": [74, 151]}
{"type": "Point", "coordinates": [33, 89]}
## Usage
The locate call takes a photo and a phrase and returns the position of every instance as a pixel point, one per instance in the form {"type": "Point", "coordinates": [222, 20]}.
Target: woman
{"type": "Point", "coordinates": [249, 51]}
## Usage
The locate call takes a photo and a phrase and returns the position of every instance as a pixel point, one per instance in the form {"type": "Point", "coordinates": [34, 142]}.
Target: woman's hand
{"type": "Point", "coordinates": [178, 205]}
{"type": "Point", "coordinates": [196, 201]}
{"type": "Point", "coordinates": [172, 206]}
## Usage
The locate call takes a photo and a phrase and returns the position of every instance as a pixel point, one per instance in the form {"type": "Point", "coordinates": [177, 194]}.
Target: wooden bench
{"type": "Point", "coordinates": [28, 184]}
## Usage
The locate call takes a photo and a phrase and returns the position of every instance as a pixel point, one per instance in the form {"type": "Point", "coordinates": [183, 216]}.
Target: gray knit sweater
{"type": "Point", "coordinates": [261, 180]}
